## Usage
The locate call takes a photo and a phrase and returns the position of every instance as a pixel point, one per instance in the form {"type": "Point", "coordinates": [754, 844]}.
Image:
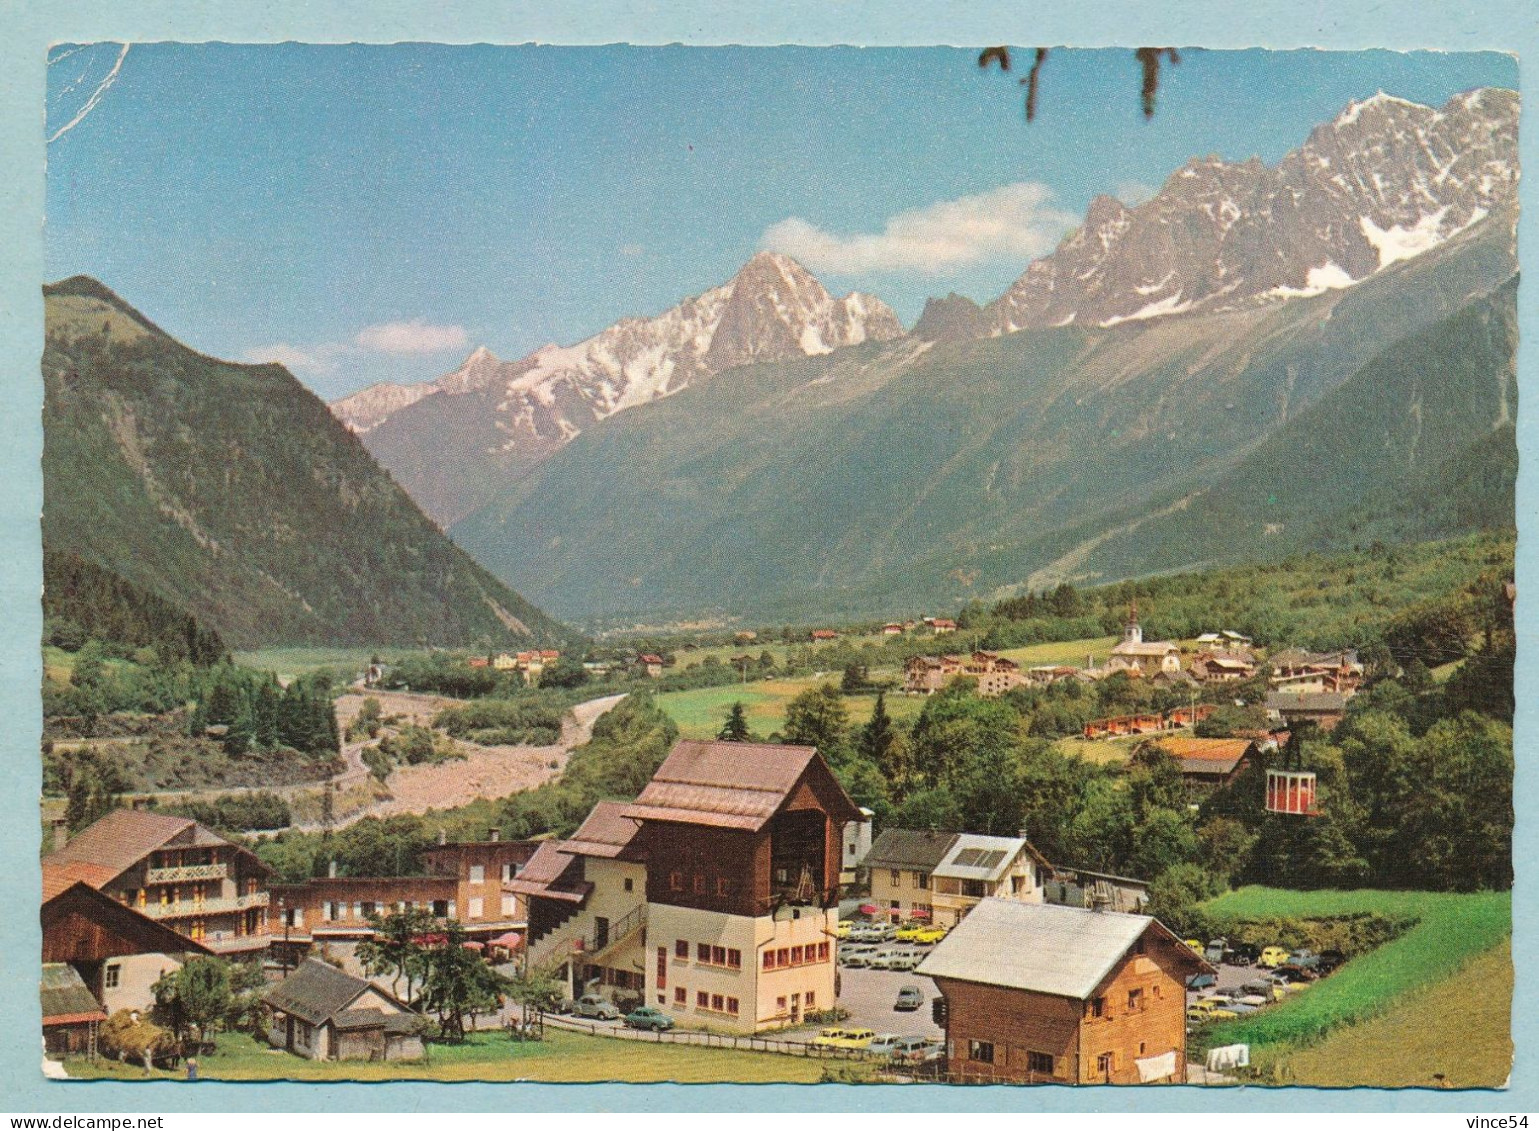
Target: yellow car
{"type": "Point", "coordinates": [1209, 1011]}
{"type": "Point", "coordinates": [842, 931]}
{"type": "Point", "coordinates": [929, 935]}
{"type": "Point", "coordinates": [1273, 957]}
{"type": "Point", "coordinates": [910, 932]}
{"type": "Point", "coordinates": [854, 1039]}
{"type": "Point", "coordinates": [828, 1038]}
{"type": "Point", "coordinates": [1196, 947]}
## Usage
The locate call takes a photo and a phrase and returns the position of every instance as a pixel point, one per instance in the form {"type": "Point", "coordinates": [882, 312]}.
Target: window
{"type": "Point", "coordinates": [783, 957]}
{"type": "Point", "coordinates": [982, 1051]}
{"type": "Point", "coordinates": [441, 908]}
{"type": "Point", "coordinates": [1156, 991]}
{"type": "Point", "coordinates": [1103, 1064]}
{"type": "Point", "coordinates": [114, 972]}
{"type": "Point", "coordinates": [735, 959]}
{"type": "Point", "coordinates": [1098, 1007]}
{"type": "Point", "coordinates": [718, 956]}
{"type": "Point", "coordinates": [1140, 1048]}
{"type": "Point", "coordinates": [703, 952]}
{"type": "Point", "coordinates": [702, 1000]}
{"type": "Point", "coordinates": [509, 906]}
{"type": "Point", "coordinates": [780, 1005]}
{"type": "Point", "coordinates": [723, 886]}
{"type": "Point", "coordinates": [897, 877]}
{"type": "Point", "coordinates": [681, 950]}
{"type": "Point", "coordinates": [1135, 1001]}
{"type": "Point", "coordinates": [732, 1006]}
{"type": "Point", "coordinates": [477, 907]}
{"type": "Point", "coordinates": [680, 997]}
{"type": "Point", "coordinates": [822, 952]}
{"type": "Point", "coordinates": [769, 959]}
{"type": "Point", "coordinates": [507, 872]}
{"type": "Point", "coordinates": [675, 881]}
{"type": "Point", "coordinates": [662, 970]}
{"type": "Point", "coordinates": [699, 885]}
{"type": "Point", "coordinates": [718, 1003]}
{"type": "Point", "coordinates": [922, 880]}
{"type": "Point", "coordinates": [1040, 1063]}
{"type": "Point", "coordinates": [812, 999]}
{"type": "Point", "coordinates": [630, 884]}
{"type": "Point", "coordinates": [796, 956]}
{"type": "Point", "coordinates": [478, 873]}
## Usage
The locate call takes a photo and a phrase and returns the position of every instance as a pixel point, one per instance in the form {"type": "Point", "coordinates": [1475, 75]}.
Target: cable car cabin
{"type": "Point", "coordinates": [1291, 792]}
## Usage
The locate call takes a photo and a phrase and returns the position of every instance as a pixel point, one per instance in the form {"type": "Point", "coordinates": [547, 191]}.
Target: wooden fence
{"type": "Point", "coordinates": [712, 1040]}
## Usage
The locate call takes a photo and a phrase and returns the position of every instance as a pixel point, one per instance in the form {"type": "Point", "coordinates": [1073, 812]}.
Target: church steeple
{"type": "Point", "coordinates": [1131, 632]}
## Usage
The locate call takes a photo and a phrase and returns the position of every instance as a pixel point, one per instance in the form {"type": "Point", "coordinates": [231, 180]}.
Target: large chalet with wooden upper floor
{"type": "Point", "coordinates": [714, 894]}
{"type": "Point", "coordinates": [171, 870]}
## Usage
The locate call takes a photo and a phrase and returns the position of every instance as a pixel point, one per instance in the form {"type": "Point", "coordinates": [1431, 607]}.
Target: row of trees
{"type": "Point", "coordinates": [254, 711]}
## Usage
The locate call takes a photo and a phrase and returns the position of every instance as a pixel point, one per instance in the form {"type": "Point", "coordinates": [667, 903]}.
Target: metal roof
{"type": "Point", "coordinates": [733, 785]}
{"type": "Point", "coordinates": [605, 832]}
{"type": "Point", "coordinates": [976, 857]}
{"type": "Point", "coordinates": [1041, 947]}
{"type": "Point", "coordinates": [918, 850]}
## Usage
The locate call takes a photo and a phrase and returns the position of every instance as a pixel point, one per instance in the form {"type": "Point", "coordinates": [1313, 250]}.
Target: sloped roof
{"type": "Point", "coordinates": [109, 847]}
{"type": "Point", "coordinates": [317, 992]}
{"type": "Point", "coordinates": [552, 873]}
{"type": "Point", "coordinates": [918, 850]}
{"type": "Point", "coordinates": [986, 858]}
{"type": "Point", "coordinates": [65, 998]}
{"type": "Point", "coordinates": [1041, 947]}
{"type": "Point", "coordinates": [734, 785]}
{"type": "Point", "coordinates": [1207, 749]}
{"type": "Point", "coordinates": [1145, 648]}
{"type": "Point", "coordinates": [352, 1019]}
{"type": "Point", "coordinates": [122, 929]}
{"type": "Point", "coordinates": [606, 832]}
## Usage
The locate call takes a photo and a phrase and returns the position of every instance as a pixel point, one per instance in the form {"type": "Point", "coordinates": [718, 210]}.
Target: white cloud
{"type": "Point", "coordinates": [299, 359]}
{"type": "Point", "coordinates": [1012, 222]}
{"type": "Point", "coordinates": [415, 336]}
{"type": "Point", "coordinates": [1133, 193]}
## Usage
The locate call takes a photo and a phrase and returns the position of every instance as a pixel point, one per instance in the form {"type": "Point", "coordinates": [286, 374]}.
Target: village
{"type": "Point", "coordinates": [739, 897]}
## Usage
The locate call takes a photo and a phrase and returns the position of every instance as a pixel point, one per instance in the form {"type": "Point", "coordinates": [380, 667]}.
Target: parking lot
{"type": "Point", "coordinates": [869, 996]}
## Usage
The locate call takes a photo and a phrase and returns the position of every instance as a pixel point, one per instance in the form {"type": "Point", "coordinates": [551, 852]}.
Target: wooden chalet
{"type": "Point", "coordinates": [322, 1013]}
{"type": "Point", "coordinates": [117, 952]}
{"type": "Point", "coordinates": [71, 1013]}
{"type": "Point", "coordinates": [1042, 993]}
{"type": "Point", "coordinates": [1209, 764]}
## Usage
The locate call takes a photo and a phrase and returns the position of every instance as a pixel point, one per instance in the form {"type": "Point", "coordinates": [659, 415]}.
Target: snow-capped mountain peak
{"type": "Point", "coordinates": [1387, 179]}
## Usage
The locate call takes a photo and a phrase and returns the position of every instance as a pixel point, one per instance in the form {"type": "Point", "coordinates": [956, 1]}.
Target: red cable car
{"type": "Point", "coordinates": [1290, 790]}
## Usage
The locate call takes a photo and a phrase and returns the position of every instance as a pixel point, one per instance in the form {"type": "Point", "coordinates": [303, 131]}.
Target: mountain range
{"type": "Point", "coordinates": [232, 493]}
{"type": "Point", "coordinates": [1128, 405]}
{"type": "Point", "coordinates": [455, 443]}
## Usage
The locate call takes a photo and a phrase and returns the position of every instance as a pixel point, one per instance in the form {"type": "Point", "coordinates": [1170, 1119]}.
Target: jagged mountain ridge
{"type": "Point", "coordinates": [1385, 181]}
{"type": "Point", "coordinates": [453, 441]}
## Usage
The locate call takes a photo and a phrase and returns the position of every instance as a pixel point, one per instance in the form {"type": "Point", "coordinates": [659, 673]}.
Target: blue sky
{"type": "Point", "coordinates": [371, 213]}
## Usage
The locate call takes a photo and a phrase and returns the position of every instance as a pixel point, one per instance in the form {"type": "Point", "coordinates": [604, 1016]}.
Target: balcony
{"type": "Point", "coordinates": [187, 873]}
{"type": "Point", "coordinates": [187, 908]}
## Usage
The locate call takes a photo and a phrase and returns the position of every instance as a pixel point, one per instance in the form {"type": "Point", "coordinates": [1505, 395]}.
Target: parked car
{"type": "Point", "coordinates": [596, 1007]}
{"type": "Point", "coordinates": [1201, 982]}
{"type": "Point", "coordinates": [854, 1039]}
{"type": "Point", "coordinates": [1304, 959]}
{"type": "Point", "coordinates": [1196, 947]}
{"type": "Point", "coordinates": [884, 958]}
{"type": "Point", "coordinates": [1264, 988]}
{"type": "Point", "coordinates": [842, 930]}
{"type": "Point", "coordinates": [904, 960]}
{"type": "Point", "coordinates": [876, 932]}
{"type": "Point", "coordinates": [1273, 956]}
{"type": "Point", "coordinates": [1217, 951]}
{"type": "Point", "coordinates": [827, 1038]}
{"type": "Point", "coordinates": [910, 998]}
{"type": "Point", "coordinates": [1208, 1010]}
{"type": "Point", "coordinates": [858, 959]}
{"type": "Point", "coordinates": [929, 936]}
{"type": "Point", "coordinates": [885, 1044]}
{"type": "Point", "coordinates": [649, 1017]}
{"type": "Point", "coordinates": [909, 931]}
{"type": "Point", "coordinates": [911, 1050]}
{"type": "Point", "coordinates": [1244, 954]}
{"type": "Point", "coordinates": [1330, 960]}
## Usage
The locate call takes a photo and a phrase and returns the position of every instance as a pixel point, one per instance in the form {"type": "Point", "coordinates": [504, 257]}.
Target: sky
{"type": "Point", "coordinates": [368, 213]}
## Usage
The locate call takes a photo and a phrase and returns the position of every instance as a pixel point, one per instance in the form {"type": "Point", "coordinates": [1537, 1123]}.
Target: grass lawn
{"type": "Point", "coordinates": [287, 663]}
{"type": "Point", "coordinates": [1067, 652]}
{"type": "Point", "coordinates": [562, 1057]}
{"type": "Point", "coordinates": [701, 713]}
{"type": "Point", "coordinates": [1451, 931]}
{"type": "Point", "coordinates": [1457, 1029]}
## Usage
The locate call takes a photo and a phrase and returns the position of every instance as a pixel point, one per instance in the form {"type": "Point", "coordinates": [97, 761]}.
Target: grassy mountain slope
{"type": "Point", "coordinates": [911, 473]}
{"type": "Point", "coordinates": [231, 491]}
{"type": "Point", "coordinates": [1419, 442]}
